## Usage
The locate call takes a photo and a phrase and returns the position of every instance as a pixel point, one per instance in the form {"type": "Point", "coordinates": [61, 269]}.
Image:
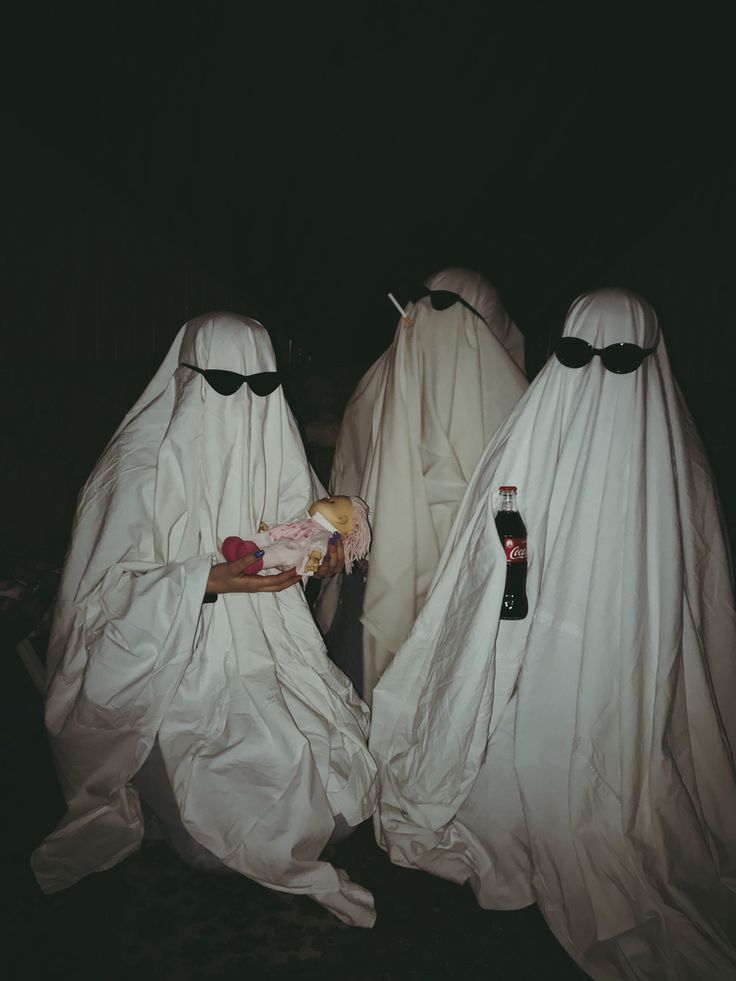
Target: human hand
{"type": "Point", "coordinates": [334, 560]}
{"type": "Point", "coordinates": [228, 577]}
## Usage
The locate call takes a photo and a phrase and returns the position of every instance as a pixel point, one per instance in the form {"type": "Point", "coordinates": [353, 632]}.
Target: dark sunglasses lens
{"type": "Point", "coordinates": [573, 352]}
{"type": "Point", "coordinates": [264, 383]}
{"type": "Point", "coordinates": [442, 299]}
{"type": "Point", "coordinates": [622, 358]}
{"type": "Point", "coordinates": [223, 382]}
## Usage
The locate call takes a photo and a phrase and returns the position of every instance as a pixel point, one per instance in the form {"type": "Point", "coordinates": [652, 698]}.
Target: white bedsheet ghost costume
{"type": "Point", "coordinates": [411, 436]}
{"type": "Point", "coordinates": [581, 758]}
{"type": "Point", "coordinates": [261, 738]}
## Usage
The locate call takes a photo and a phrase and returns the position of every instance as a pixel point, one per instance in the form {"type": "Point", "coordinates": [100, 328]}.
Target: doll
{"type": "Point", "coordinates": [303, 544]}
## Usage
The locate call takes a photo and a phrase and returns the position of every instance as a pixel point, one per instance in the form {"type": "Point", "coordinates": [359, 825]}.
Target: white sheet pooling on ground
{"type": "Point", "coordinates": [411, 436]}
{"type": "Point", "coordinates": [581, 758]}
{"type": "Point", "coordinates": [263, 739]}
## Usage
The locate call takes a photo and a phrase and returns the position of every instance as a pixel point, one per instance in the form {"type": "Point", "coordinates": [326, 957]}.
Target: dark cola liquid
{"type": "Point", "coordinates": [512, 533]}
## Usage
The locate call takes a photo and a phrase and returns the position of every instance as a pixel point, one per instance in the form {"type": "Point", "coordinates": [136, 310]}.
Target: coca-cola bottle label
{"type": "Point", "coordinates": [515, 548]}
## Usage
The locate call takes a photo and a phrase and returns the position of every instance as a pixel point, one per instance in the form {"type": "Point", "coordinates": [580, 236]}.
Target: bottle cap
{"type": "Point", "coordinates": [506, 487]}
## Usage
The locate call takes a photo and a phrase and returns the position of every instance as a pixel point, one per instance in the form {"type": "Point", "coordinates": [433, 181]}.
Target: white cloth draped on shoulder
{"type": "Point", "coordinates": [581, 758]}
{"type": "Point", "coordinates": [261, 738]}
{"type": "Point", "coordinates": [410, 438]}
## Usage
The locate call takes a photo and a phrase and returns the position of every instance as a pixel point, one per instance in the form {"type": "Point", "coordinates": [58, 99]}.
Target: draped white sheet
{"type": "Point", "coordinates": [581, 758]}
{"type": "Point", "coordinates": [411, 436]}
{"type": "Point", "coordinates": [262, 738]}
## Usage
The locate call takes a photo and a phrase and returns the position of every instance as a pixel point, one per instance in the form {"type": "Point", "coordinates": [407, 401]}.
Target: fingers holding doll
{"type": "Point", "coordinates": [334, 558]}
{"type": "Point", "coordinates": [231, 577]}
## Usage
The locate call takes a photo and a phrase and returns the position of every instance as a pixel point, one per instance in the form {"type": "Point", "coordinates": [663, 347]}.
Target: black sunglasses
{"type": "Point", "coordinates": [622, 358]}
{"type": "Point", "coordinates": [228, 382]}
{"type": "Point", "coordinates": [444, 299]}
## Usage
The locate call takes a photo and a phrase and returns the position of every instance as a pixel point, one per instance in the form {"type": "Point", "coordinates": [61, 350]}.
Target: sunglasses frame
{"type": "Point", "coordinates": [444, 299]}
{"type": "Point", "coordinates": [261, 383]}
{"type": "Point", "coordinates": [606, 354]}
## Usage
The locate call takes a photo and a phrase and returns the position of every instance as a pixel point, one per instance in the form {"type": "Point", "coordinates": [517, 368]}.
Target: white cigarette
{"type": "Point", "coordinates": [398, 305]}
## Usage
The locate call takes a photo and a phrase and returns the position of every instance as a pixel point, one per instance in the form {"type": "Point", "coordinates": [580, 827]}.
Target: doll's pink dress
{"type": "Point", "coordinates": [293, 545]}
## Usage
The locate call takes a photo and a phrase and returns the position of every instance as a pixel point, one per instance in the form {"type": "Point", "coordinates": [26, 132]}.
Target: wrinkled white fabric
{"type": "Point", "coordinates": [411, 436]}
{"type": "Point", "coordinates": [581, 758]}
{"type": "Point", "coordinates": [262, 738]}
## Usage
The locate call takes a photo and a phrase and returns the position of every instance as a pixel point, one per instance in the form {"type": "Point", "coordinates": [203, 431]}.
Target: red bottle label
{"type": "Point", "coordinates": [515, 548]}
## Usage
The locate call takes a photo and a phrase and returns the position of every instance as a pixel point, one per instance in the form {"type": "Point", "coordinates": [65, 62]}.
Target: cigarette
{"type": "Point", "coordinates": [398, 305]}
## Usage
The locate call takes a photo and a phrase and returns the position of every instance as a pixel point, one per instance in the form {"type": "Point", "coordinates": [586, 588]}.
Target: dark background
{"type": "Point", "coordinates": [296, 161]}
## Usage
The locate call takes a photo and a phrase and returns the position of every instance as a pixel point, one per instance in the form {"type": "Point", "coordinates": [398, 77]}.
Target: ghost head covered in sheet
{"type": "Point", "coordinates": [581, 758]}
{"type": "Point", "coordinates": [258, 737]}
{"type": "Point", "coordinates": [411, 436]}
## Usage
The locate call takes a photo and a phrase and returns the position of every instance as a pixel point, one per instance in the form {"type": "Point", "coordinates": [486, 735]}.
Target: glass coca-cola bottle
{"type": "Point", "coordinates": [512, 531]}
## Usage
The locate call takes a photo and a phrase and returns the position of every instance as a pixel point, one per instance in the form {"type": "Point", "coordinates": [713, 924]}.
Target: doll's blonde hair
{"type": "Point", "coordinates": [357, 541]}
